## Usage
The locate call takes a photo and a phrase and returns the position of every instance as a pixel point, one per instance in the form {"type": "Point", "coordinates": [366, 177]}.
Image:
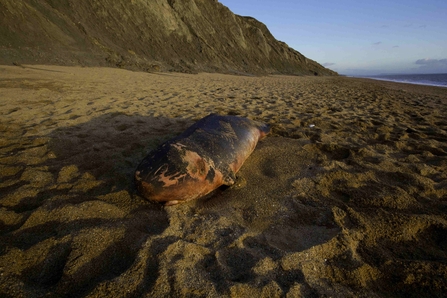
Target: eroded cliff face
{"type": "Point", "coordinates": [187, 35]}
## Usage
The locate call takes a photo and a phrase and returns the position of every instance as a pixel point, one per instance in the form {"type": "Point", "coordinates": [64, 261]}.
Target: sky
{"type": "Point", "coordinates": [358, 38]}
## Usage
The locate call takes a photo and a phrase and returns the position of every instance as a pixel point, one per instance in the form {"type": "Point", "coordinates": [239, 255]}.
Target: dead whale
{"type": "Point", "coordinates": [205, 156]}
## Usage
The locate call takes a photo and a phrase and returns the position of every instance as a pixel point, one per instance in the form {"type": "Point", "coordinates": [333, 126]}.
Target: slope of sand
{"type": "Point", "coordinates": [346, 198]}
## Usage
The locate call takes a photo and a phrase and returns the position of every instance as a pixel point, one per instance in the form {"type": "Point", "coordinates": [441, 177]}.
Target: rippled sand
{"type": "Point", "coordinates": [347, 197]}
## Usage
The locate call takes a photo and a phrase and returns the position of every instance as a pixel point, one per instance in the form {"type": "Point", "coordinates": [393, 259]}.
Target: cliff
{"type": "Point", "coordinates": [170, 35]}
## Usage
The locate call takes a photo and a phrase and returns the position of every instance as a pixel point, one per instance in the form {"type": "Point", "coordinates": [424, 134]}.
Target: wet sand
{"type": "Point", "coordinates": [346, 198]}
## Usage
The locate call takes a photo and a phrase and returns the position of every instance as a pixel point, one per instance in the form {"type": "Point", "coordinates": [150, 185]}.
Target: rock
{"type": "Point", "coordinates": [184, 36]}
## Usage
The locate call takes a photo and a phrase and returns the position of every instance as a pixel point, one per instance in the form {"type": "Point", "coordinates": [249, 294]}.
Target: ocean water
{"type": "Point", "coordinates": [439, 79]}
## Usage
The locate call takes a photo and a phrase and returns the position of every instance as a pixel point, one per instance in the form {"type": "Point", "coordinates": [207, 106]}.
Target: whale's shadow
{"type": "Point", "coordinates": [110, 146]}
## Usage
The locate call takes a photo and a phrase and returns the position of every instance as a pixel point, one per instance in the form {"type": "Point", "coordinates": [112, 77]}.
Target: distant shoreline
{"type": "Point", "coordinates": [434, 80]}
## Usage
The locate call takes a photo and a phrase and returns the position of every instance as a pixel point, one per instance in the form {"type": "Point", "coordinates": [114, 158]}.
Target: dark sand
{"type": "Point", "coordinates": [346, 198]}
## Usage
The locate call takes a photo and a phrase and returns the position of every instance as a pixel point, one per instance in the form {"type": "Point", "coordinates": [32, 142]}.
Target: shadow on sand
{"type": "Point", "coordinates": [85, 229]}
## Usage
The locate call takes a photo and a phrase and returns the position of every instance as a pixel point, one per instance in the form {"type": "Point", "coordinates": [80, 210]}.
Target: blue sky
{"type": "Point", "coordinates": [358, 37]}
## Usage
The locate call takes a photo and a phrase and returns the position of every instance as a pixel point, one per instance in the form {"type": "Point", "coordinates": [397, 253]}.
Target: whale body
{"type": "Point", "coordinates": [205, 156]}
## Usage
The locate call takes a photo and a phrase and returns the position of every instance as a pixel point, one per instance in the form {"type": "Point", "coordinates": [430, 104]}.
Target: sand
{"type": "Point", "coordinates": [346, 198]}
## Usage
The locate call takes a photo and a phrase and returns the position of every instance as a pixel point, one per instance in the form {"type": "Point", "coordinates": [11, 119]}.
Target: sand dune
{"type": "Point", "coordinates": [346, 198]}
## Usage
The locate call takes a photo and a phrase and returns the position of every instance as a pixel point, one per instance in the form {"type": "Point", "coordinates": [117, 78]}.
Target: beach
{"type": "Point", "coordinates": [347, 197]}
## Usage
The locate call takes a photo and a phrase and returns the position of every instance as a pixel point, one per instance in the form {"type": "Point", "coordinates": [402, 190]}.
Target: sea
{"type": "Point", "coordinates": [439, 79]}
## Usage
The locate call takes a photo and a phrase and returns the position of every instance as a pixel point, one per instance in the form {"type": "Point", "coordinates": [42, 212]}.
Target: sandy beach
{"type": "Point", "coordinates": [347, 197]}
